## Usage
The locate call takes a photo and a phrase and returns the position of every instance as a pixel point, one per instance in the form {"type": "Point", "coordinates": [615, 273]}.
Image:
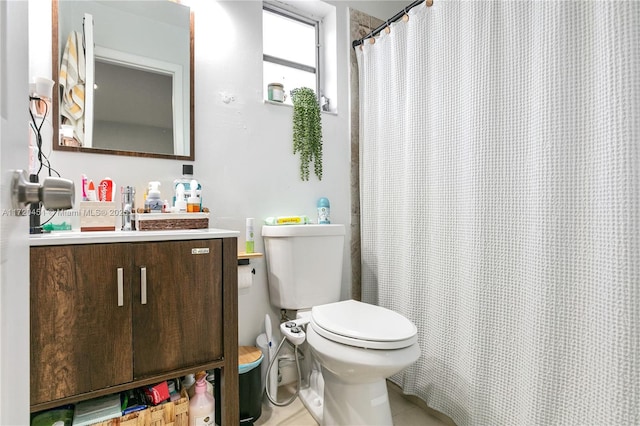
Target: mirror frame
{"type": "Point", "coordinates": [55, 70]}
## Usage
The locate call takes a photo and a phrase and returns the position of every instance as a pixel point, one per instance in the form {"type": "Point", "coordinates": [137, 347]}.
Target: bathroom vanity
{"type": "Point", "coordinates": [111, 311]}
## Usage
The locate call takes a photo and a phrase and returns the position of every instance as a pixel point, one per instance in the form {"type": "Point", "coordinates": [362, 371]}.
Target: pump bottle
{"type": "Point", "coordinates": [185, 180]}
{"type": "Point", "coordinates": [202, 406]}
{"type": "Point", "coordinates": [180, 204]}
{"type": "Point", "coordinates": [153, 203]}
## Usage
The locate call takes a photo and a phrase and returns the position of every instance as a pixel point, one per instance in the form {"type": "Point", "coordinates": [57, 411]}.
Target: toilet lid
{"type": "Point", "coordinates": [363, 325]}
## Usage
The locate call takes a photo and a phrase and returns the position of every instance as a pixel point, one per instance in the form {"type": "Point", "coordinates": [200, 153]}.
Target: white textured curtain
{"type": "Point", "coordinates": [500, 203]}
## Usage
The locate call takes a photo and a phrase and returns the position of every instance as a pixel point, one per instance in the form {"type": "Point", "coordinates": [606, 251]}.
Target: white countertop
{"type": "Point", "coordinates": [56, 238]}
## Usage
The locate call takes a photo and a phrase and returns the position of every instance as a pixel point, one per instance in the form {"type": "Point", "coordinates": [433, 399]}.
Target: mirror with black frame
{"type": "Point", "coordinates": [134, 86]}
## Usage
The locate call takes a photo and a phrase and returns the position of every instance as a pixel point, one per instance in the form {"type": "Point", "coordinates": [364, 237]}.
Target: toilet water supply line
{"type": "Point", "coordinates": [272, 399]}
{"type": "Point", "coordinates": [292, 331]}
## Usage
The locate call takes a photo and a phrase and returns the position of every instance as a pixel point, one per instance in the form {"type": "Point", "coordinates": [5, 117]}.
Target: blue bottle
{"type": "Point", "coordinates": [324, 211]}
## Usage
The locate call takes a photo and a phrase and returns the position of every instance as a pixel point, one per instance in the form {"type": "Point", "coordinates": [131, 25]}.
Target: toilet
{"type": "Point", "coordinates": [352, 347]}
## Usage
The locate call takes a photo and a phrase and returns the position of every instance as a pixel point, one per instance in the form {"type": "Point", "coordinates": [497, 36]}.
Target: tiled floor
{"type": "Point", "coordinates": [403, 411]}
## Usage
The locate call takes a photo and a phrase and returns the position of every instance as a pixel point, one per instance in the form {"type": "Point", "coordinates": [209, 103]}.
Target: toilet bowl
{"type": "Point", "coordinates": [352, 347]}
{"type": "Point", "coordinates": [358, 346]}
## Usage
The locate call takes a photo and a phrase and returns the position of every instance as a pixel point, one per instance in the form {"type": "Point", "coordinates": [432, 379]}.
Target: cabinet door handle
{"type": "Point", "coordinates": [120, 287]}
{"type": "Point", "coordinates": [143, 285]}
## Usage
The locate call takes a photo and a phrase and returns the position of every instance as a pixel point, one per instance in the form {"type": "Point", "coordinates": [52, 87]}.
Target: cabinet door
{"type": "Point", "coordinates": [80, 334]}
{"type": "Point", "coordinates": [177, 305]}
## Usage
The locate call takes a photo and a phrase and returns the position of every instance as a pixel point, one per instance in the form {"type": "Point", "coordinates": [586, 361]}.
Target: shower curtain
{"type": "Point", "coordinates": [500, 206]}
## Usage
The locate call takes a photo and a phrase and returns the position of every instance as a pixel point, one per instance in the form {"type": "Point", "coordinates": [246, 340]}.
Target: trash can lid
{"type": "Point", "coordinates": [249, 357]}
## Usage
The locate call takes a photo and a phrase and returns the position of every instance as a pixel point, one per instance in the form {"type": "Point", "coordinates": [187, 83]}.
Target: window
{"type": "Point", "coordinates": [290, 50]}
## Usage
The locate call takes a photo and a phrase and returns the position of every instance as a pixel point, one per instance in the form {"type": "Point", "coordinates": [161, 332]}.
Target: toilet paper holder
{"type": "Point", "coordinates": [242, 262]}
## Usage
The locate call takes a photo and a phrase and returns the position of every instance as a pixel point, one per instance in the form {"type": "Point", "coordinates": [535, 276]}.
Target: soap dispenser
{"type": "Point", "coordinates": [180, 205]}
{"type": "Point", "coordinates": [153, 203]}
{"type": "Point", "coordinates": [202, 406]}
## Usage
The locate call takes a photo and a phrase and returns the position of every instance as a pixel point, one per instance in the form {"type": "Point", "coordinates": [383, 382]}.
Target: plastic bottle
{"type": "Point", "coordinates": [249, 241]}
{"type": "Point", "coordinates": [324, 211]}
{"type": "Point", "coordinates": [180, 204]}
{"type": "Point", "coordinates": [91, 192]}
{"type": "Point", "coordinates": [194, 378]}
{"type": "Point", "coordinates": [185, 180]}
{"type": "Point", "coordinates": [173, 393]}
{"type": "Point", "coordinates": [188, 381]}
{"type": "Point", "coordinates": [153, 203]}
{"type": "Point", "coordinates": [193, 202]}
{"type": "Point", "coordinates": [202, 406]}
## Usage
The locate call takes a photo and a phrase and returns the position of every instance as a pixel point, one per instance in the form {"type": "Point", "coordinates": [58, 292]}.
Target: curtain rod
{"type": "Point", "coordinates": [389, 21]}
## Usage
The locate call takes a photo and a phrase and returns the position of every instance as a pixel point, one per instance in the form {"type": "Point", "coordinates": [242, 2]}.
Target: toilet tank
{"type": "Point", "coordinates": [304, 264]}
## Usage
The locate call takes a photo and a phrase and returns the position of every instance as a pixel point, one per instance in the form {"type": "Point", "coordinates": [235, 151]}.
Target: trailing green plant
{"type": "Point", "coordinates": [307, 131]}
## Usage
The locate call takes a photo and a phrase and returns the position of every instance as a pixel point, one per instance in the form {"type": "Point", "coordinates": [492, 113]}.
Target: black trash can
{"type": "Point", "coordinates": [249, 360]}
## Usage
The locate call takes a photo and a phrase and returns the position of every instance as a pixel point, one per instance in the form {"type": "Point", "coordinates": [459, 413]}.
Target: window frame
{"type": "Point", "coordinates": [297, 16]}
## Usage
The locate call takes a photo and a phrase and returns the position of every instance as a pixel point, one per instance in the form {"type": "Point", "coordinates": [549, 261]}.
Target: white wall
{"type": "Point", "coordinates": [243, 155]}
{"type": "Point", "coordinates": [381, 9]}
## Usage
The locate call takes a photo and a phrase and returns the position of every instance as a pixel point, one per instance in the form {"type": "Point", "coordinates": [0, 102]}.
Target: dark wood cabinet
{"type": "Point", "coordinates": [80, 337]}
{"type": "Point", "coordinates": [177, 305]}
{"type": "Point", "coordinates": [109, 317]}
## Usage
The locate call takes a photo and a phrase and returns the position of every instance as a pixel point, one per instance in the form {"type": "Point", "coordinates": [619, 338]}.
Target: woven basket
{"type": "Point", "coordinates": [171, 221]}
{"type": "Point", "coordinates": [168, 414]}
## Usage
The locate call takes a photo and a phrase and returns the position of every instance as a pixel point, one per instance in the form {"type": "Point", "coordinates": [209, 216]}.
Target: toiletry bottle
{"type": "Point", "coordinates": [324, 216]}
{"type": "Point", "coordinates": [153, 203]}
{"type": "Point", "coordinates": [193, 202]}
{"type": "Point", "coordinates": [185, 180]}
{"type": "Point", "coordinates": [191, 391]}
{"type": "Point", "coordinates": [210, 378]}
{"type": "Point", "coordinates": [174, 395]}
{"type": "Point", "coordinates": [180, 205]}
{"type": "Point", "coordinates": [249, 236]}
{"type": "Point", "coordinates": [106, 190]}
{"type": "Point", "coordinates": [85, 187]}
{"type": "Point", "coordinates": [188, 381]}
{"type": "Point", "coordinates": [91, 192]}
{"type": "Point", "coordinates": [202, 406]}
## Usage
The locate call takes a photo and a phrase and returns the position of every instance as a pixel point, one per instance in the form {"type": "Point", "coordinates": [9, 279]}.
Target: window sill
{"type": "Point", "coordinates": [267, 102]}
{"type": "Point", "coordinates": [277, 103]}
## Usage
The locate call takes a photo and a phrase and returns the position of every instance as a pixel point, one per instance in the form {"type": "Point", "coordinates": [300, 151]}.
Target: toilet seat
{"type": "Point", "coordinates": [363, 325]}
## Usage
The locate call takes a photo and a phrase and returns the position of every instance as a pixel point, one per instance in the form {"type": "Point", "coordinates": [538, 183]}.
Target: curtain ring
{"type": "Point", "coordinates": [429, 3]}
{"type": "Point", "coordinates": [387, 28]}
{"type": "Point", "coordinates": [405, 17]}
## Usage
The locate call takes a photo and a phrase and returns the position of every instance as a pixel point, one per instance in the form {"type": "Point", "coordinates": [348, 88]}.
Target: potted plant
{"type": "Point", "coordinates": [307, 131]}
